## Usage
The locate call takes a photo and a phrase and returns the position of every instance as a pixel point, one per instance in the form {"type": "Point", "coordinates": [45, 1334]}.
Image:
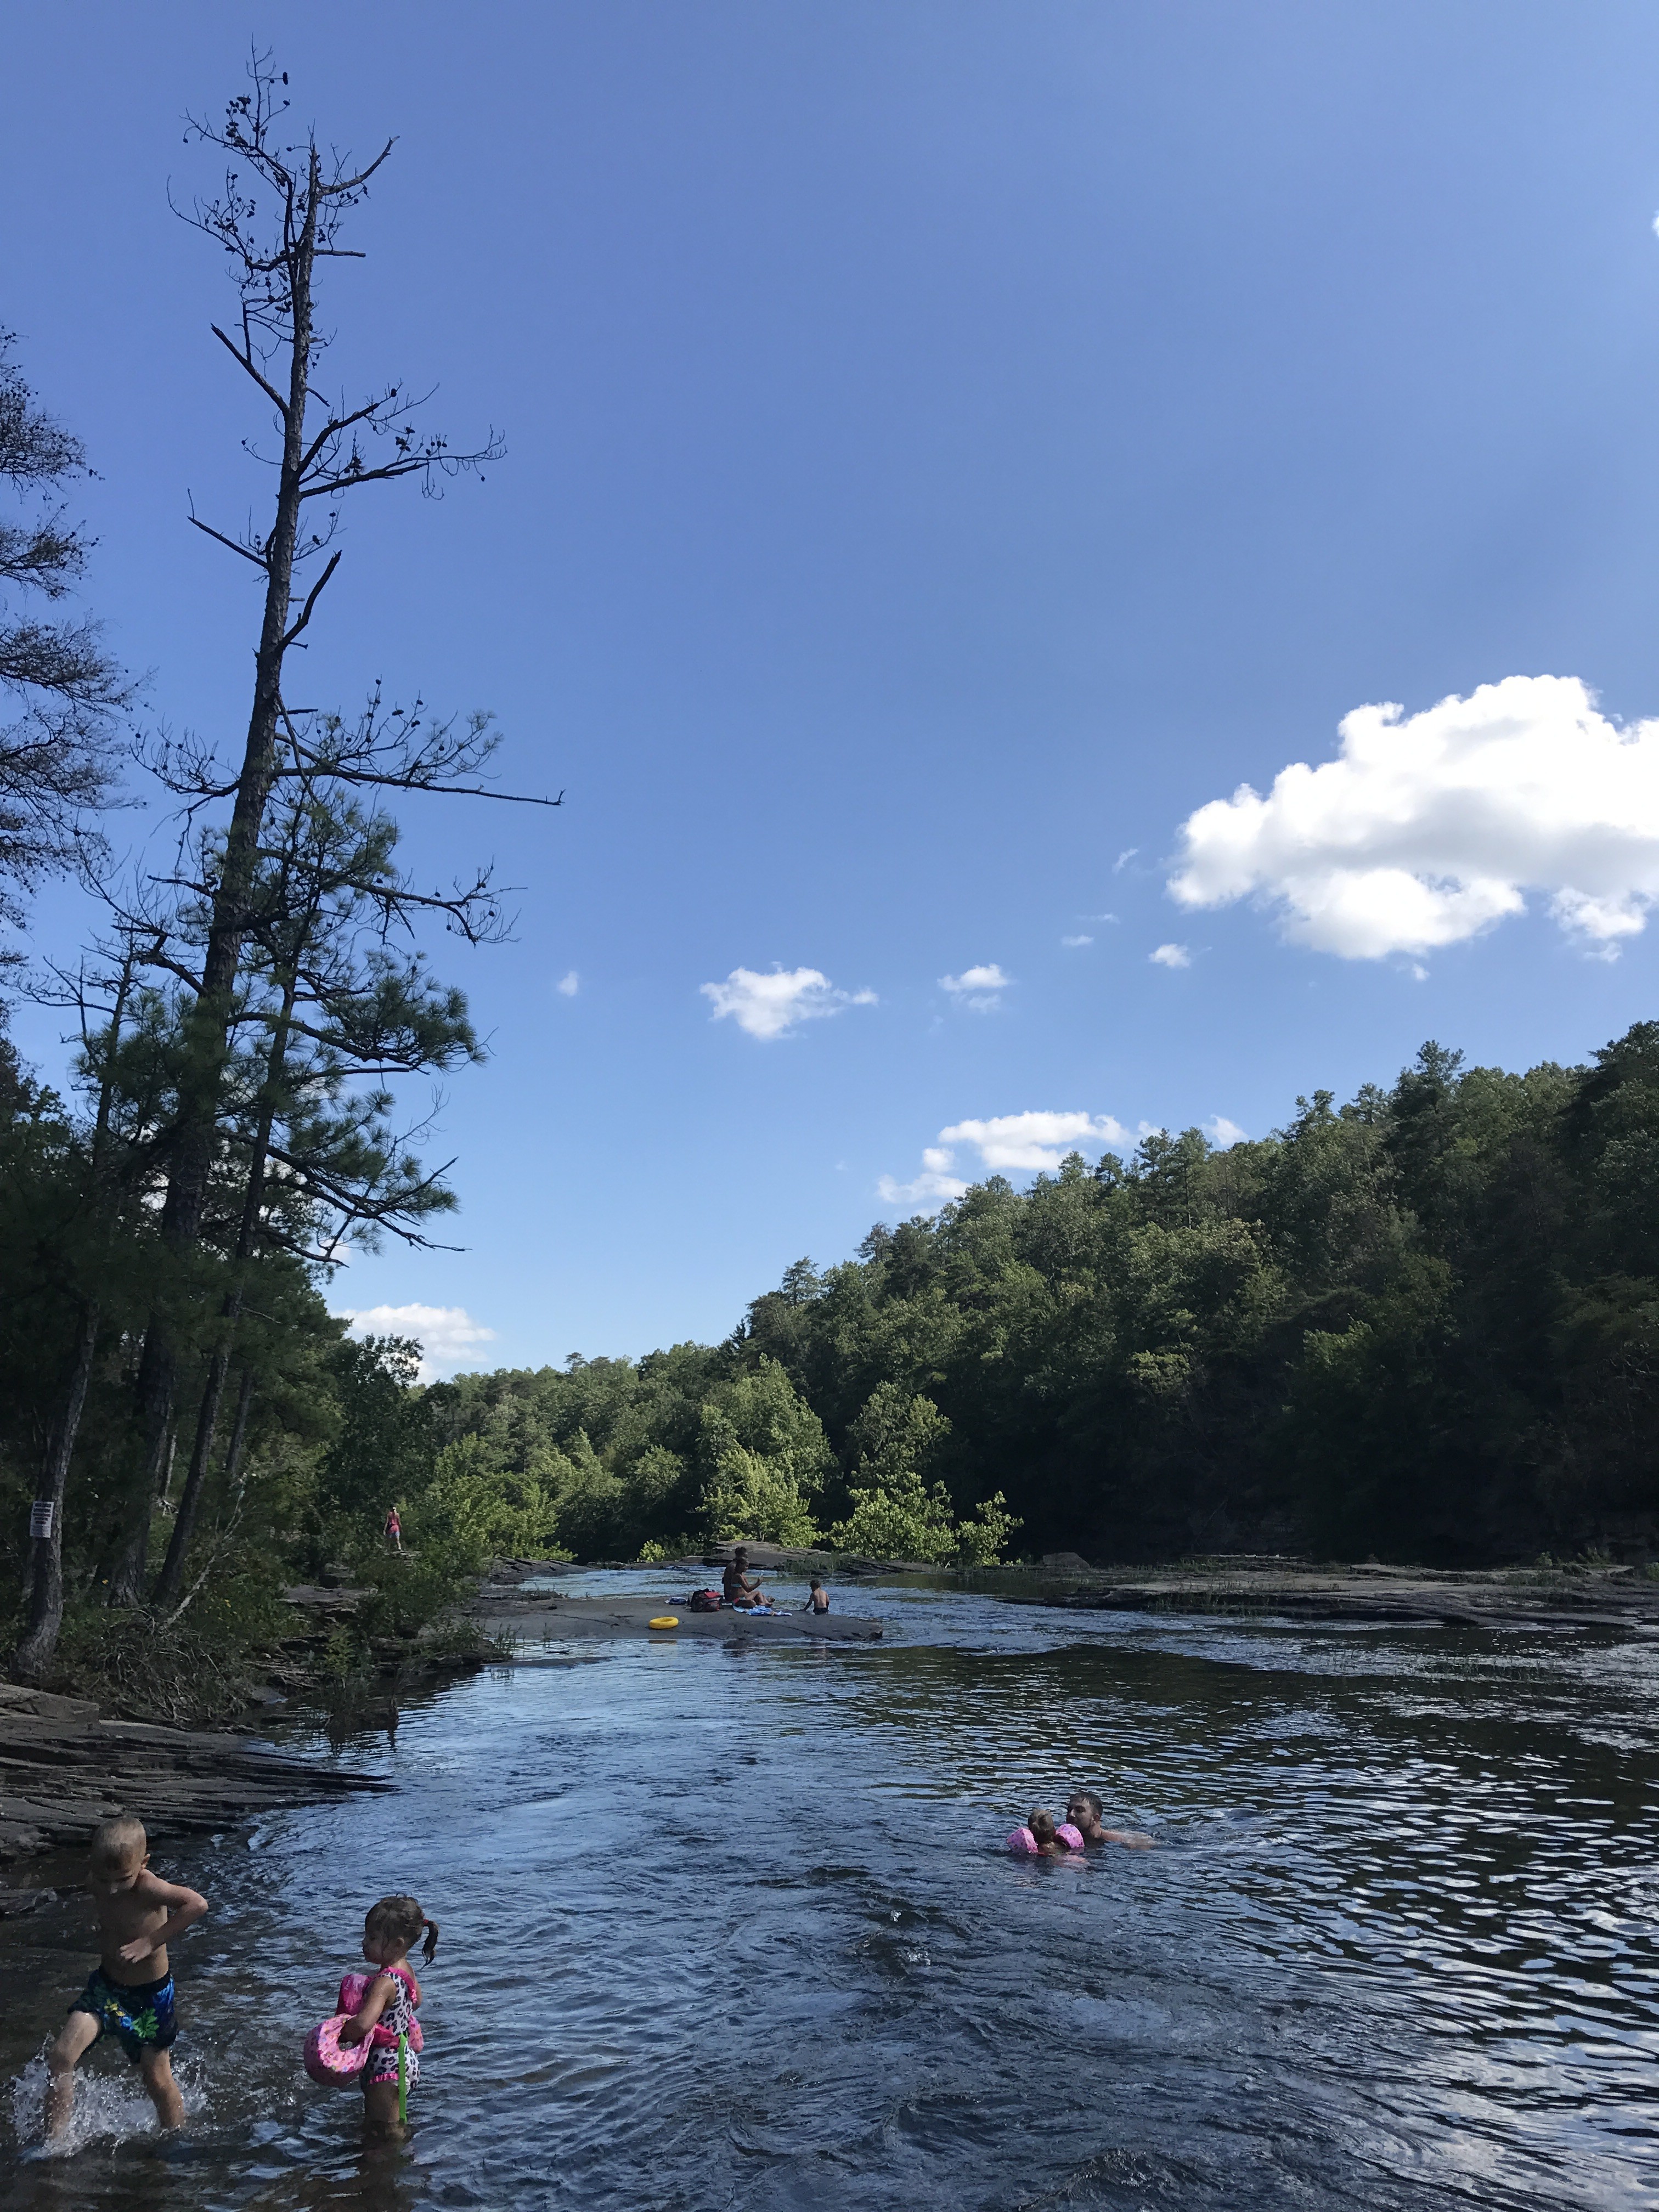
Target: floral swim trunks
{"type": "Point", "coordinates": [139, 2013]}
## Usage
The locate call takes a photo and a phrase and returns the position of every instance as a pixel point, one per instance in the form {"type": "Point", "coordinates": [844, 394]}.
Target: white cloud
{"type": "Point", "coordinates": [1033, 1141]}
{"type": "Point", "coordinates": [1124, 859]}
{"type": "Point", "coordinates": [932, 1187]}
{"type": "Point", "coordinates": [1224, 1133]}
{"type": "Point", "coordinates": [981, 988]}
{"type": "Point", "coordinates": [1022, 1143]}
{"type": "Point", "coordinates": [1172, 955]}
{"type": "Point", "coordinates": [770, 1005]}
{"type": "Point", "coordinates": [1076, 940]}
{"type": "Point", "coordinates": [569, 985]}
{"type": "Point", "coordinates": [445, 1333]}
{"type": "Point", "coordinates": [1429, 829]}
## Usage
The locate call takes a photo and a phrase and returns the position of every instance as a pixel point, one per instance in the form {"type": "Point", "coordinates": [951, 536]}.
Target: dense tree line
{"type": "Point", "coordinates": [1424, 1324]}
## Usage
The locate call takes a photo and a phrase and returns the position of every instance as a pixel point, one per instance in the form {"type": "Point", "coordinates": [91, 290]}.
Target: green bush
{"type": "Point", "coordinates": [471, 1512]}
{"type": "Point", "coordinates": [895, 1514]}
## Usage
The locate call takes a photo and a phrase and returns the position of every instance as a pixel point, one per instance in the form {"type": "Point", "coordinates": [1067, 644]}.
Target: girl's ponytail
{"type": "Point", "coordinates": [431, 1942]}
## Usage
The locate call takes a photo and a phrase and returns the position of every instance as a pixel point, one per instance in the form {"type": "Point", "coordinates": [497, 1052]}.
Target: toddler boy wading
{"type": "Point", "coordinates": [129, 1993]}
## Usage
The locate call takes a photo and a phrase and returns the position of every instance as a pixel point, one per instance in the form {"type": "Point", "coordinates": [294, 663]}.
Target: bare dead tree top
{"type": "Point", "coordinates": [281, 208]}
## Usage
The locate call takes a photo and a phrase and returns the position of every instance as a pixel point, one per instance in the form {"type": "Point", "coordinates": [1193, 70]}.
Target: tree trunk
{"type": "Point", "coordinates": [166, 1592]}
{"type": "Point", "coordinates": [154, 1392]}
{"type": "Point", "coordinates": [208, 1029]}
{"type": "Point", "coordinates": [168, 1581]}
{"type": "Point", "coordinates": [45, 1591]}
{"type": "Point", "coordinates": [239, 1431]}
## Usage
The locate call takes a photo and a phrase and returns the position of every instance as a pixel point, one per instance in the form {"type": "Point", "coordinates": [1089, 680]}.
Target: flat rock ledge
{"type": "Point", "coordinates": [63, 1767]}
{"type": "Point", "coordinates": [520, 1616]}
{"type": "Point", "coordinates": [1619, 1598]}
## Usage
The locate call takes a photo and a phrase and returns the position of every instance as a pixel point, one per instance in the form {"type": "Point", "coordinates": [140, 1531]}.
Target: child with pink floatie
{"type": "Point", "coordinates": [386, 2011]}
{"type": "Point", "coordinates": [1043, 1837]}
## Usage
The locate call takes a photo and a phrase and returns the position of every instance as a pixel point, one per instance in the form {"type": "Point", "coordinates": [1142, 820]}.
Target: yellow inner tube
{"type": "Point", "coordinates": [665, 1620]}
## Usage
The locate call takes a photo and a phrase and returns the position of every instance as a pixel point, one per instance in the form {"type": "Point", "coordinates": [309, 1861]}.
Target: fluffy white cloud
{"type": "Point", "coordinates": [770, 1005]}
{"type": "Point", "coordinates": [1428, 829]}
{"type": "Point", "coordinates": [446, 1335]}
{"type": "Point", "coordinates": [1022, 1143]}
{"type": "Point", "coordinates": [1223, 1132]}
{"type": "Point", "coordinates": [982, 988]}
{"type": "Point", "coordinates": [1124, 859]}
{"type": "Point", "coordinates": [1172, 955]}
{"type": "Point", "coordinates": [1076, 940]}
{"type": "Point", "coordinates": [932, 1187]}
{"type": "Point", "coordinates": [1030, 1141]}
{"type": "Point", "coordinates": [569, 985]}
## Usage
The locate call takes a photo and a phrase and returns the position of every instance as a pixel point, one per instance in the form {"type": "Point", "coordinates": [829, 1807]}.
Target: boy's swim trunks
{"type": "Point", "coordinates": [140, 2012]}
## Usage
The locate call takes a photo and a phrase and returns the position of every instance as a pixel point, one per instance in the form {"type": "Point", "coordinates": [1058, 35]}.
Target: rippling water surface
{"type": "Point", "coordinates": [730, 1927]}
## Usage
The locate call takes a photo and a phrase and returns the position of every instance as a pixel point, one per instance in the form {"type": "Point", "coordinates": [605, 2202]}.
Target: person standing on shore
{"type": "Point", "coordinates": [129, 1991]}
{"type": "Point", "coordinates": [394, 1531]}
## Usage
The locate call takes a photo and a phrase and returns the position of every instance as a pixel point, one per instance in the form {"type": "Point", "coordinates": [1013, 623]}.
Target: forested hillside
{"type": "Point", "coordinates": [1424, 1324]}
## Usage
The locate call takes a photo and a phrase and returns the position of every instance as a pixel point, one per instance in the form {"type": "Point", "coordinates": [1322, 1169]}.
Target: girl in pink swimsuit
{"type": "Point", "coordinates": [387, 2015]}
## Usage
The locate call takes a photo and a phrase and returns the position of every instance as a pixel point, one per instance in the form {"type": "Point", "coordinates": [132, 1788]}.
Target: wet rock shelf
{"type": "Point", "coordinates": [63, 1767]}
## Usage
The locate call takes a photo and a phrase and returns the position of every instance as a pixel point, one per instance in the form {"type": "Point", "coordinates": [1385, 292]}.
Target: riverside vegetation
{"type": "Point", "coordinates": [1423, 1325]}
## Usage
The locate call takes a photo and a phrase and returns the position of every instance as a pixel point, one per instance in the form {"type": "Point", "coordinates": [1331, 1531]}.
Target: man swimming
{"type": "Point", "coordinates": [1083, 1809]}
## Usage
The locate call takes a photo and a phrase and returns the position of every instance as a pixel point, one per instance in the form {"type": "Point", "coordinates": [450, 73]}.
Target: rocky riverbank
{"type": "Point", "coordinates": [68, 1761]}
{"type": "Point", "coordinates": [63, 1767]}
{"type": "Point", "coordinates": [1618, 1597]}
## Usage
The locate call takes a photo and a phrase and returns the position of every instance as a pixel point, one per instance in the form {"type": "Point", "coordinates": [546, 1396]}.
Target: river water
{"type": "Point", "coordinates": [732, 1927]}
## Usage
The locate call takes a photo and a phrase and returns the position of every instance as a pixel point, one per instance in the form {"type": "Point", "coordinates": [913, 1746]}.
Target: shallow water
{"type": "Point", "coordinates": [730, 1927]}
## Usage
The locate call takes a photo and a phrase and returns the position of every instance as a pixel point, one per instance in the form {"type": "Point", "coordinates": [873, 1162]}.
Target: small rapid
{"type": "Point", "coordinates": [731, 1926]}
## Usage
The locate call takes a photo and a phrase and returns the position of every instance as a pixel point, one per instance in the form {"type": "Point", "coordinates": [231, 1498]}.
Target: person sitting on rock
{"type": "Point", "coordinates": [736, 1585]}
{"type": "Point", "coordinates": [1084, 1810]}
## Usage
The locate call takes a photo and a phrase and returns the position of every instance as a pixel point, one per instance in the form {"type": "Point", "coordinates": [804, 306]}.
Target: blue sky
{"type": "Point", "coordinates": [949, 446]}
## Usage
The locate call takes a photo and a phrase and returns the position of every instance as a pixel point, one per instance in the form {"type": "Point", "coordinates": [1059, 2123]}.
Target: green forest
{"type": "Point", "coordinates": [1423, 1325]}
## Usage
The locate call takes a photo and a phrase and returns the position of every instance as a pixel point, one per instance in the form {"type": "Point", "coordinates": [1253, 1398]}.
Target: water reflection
{"type": "Point", "coordinates": [726, 1925]}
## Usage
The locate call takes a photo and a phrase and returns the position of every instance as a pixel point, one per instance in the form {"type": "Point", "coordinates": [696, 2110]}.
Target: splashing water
{"type": "Point", "coordinates": [730, 1927]}
{"type": "Point", "coordinates": [108, 2107]}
